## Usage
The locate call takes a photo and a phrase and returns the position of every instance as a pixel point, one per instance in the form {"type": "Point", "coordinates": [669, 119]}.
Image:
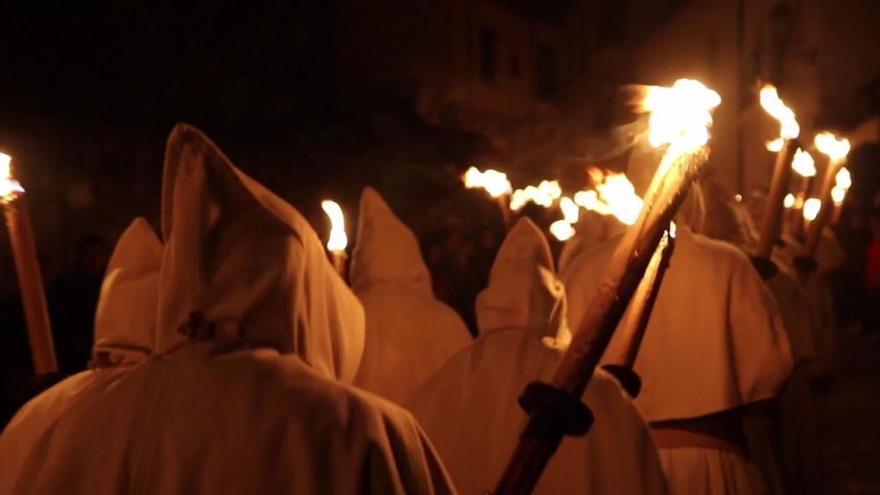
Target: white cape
{"type": "Point", "coordinates": [469, 408]}
{"type": "Point", "coordinates": [410, 334]}
{"type": "Point", "coordinates": [241, 395]}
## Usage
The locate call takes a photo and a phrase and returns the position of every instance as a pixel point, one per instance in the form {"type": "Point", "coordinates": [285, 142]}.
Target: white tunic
{"type": "Point", "coordinates": [410, 334]}
{"type": "Point", "coordinates": [247, 401]}
{"type": "Point", "coordinates": [469, 408]}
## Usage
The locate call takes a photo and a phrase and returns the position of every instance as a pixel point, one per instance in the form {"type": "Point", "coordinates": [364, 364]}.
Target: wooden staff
{"type": "Point", "coordinates": [30, 283]}
{"type": "Point", "coordinates": [773, 208]}
{"type": "Point", "coordinates": [339, 259]}
{"type": "Point", "coordinates": [503, 202]}
{"type": "Point", "coordinates": [798, 222]}
{"type": "Point", "coordinates": [825, 212]}
{"type": "Point", "coordinates": [554, 408]}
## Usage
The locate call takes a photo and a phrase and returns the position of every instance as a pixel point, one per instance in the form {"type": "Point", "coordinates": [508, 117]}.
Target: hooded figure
{"type": "Point", "coordinates": [715, 343]}
{"type": "Point", "coordinates": [470, 406]}
{"type": "Point", "coordinates": [242, 395]}
{"type": "Point", "coordinates": [125, 326]}
{"type": "Point", "coordinates": [410, 334]}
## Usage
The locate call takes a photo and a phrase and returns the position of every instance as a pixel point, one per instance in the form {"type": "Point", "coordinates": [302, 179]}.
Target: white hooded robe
{"type": "Point", "coordinates": [470, 410]}
{"type": "Point", "coordinates": [410, 334]}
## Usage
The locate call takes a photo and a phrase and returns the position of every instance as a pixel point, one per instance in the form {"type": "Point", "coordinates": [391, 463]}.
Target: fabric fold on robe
{"type": "Point", "coordinates": [469, 408]}
{"type": "Point", "coordinates": [409, 333]}
{"type": "Point", "coordinates": [242, 394]}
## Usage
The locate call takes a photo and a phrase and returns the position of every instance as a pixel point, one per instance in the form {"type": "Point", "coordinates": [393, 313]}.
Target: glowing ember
{"type": "Point", "coordinates": [834, 148]}
{"type": "Point", "coordinates": [614, 195]}
{"type": "Point", "coordinates": [570, 210]}
{"type": "Point", "coordinates": [673, 229]}
{"type": "Point", "coordinates": [562, 230]}
{"type": "Point", "coordinates": [492, 181]}
{"type": "Point", "coordinates": [788, 202]}
{"type": "Point", "coordinates": [338, 240]}
{"type": "Point", "coordinates": [773, 104]}
{"type": "Point", "coordinates": [9, 187]}
{"type": "Point", "coordinates": [545, 194]}
{"type": "Point", "coordinates": [803, 164]}
{"type": "Point", "coordinates": [680, 115]}
{"type": "Point", "coordinates": [811, 208]}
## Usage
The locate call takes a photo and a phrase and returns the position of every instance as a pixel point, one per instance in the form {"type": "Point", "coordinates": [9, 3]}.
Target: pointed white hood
{"type": "Point", "coordinates": [410, 334]}
{"type": "Point", "coordinates": [387, 252]}
{"type": "Point", "coordinates": [125, 321]}
{"type": "Point", "coordinates": [248, 264]}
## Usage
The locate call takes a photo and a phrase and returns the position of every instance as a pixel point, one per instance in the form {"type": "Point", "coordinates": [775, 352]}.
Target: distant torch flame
{"type": "Point", "coordinates": [842, 183]}
{"type": "Point", "coordinates": [338, 240]}
{"type": "Point", "coordinates": [680, 114]}
{"type": "Point", "coordinates": [492, 181]}
{"type": "Point", "coordinates": [570, 210]}
{"type": "Point", "coordinates": [545, 194]}
{"type": "Point", "coordinates": [832, 147]}
{"type": "Point", "coordinates": [9, 187]}
{"type": "Point", "coordinates": [811, 208]}
{"type": "Point", "coordinates": [562, 230]}
{"type": "Point", "coordinates": [773, 105]}
{"type": "Point", "coordinates": [614, 195]}
{"type": "Point", "coordinates": [776, 145]}
{"type": "Point", "coordinates": [788, 202]}
{"type": "Point", "coordinates": [803, 164]}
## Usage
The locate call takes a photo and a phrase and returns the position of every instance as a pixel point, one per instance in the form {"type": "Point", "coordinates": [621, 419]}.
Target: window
{"type": "Point", "coordinates": [487, 56]}
{"type": "Point", "coordinates": [548, 72]}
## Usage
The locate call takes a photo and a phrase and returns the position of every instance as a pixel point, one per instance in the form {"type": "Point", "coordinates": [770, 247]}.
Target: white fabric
{"type": "Point", "coordinates": [125, 324]}
{"type": "Point", "coordinates": [699, 471]}
{"type": "Point", "coordinates": [469, 408]}
{"type": "Point", "coordinates": [410, 334]}
{"type": "Point", "coordinates": [715, 339]}
{"type": "Point", "coordinates": [255, 407]}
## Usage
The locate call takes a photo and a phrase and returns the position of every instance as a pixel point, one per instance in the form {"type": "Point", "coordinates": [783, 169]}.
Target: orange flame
{"type": "Point", "coordinates": [9, 187]}
{"type": "Point", "coordinates": [614, 195]}
{"type": "Point", "coordinates": [773, 105]}
{"type": "Point", "coordinates": [492, 181]}
{"type": "Point", "coordinates": [803, 163]}
{"type": "Point", "coordinates": [337, 241]}
{"type": "Point", "coordinates": [831, 146]}
{"type": "Point", "coordinates": [812, 206]}
{"type": "Point", "coordinates": [545, 194]}
{"type": "Point", "coordinates": [570, 210]}
{"type": "Point", "coordinates": [842, 183]}
{"type": "Point", "coordinates": [788, 201]}
{"type": "Point", "coordinates": [562, 230]}
{"type": "Point", "coordinates": [680, 114]}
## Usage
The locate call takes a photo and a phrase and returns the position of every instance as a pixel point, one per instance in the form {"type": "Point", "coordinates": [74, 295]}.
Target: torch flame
{"type": "Point", "coordinates": [842, 183]}
{"type": "Point", "coordinates": [562, 230]}
{"type": "Point", "coordinates": [788, 202]}
{"type": "Point", "coordinates": [811, 208]}
{"type": "Point", "coordinates": [803, 163]}
{"type": "Point", "coordinates": [834, 148]}
{"type": "Point", "coordinates": [773, 104]}
{"type": "Point", "coordinates": [544, 195]}
{"type": "Point", "coordinates": [494, 182]}
{"type": "Point", "coordinates": [776, 145]}
{"type": "Point", "coordinates": [680, 114]}
{"type": "Point", "coordinates": [570, 210]}
{"type": "Point", "coordinates": [614, 195]}
{"type": "Point", "coordinates": [338, 240]}
{"type": "Point", "coordinates": [9, 187]}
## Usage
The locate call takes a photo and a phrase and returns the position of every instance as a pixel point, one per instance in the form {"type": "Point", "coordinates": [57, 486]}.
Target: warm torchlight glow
{"type": "Point", "coordinates": [803, 164]}
{"type": "Point", "coordinates": [562, 230]}
{"type": "Point", "coordinates": [788, 202]}
{"type": "Point", "coordinates": [773, 104]}
{"type": "Point", "coordinates": [338, 240]}
{"type": "Point", "coordinates": [9, 187]}
{"type": "Point", "coordinates": [838, 195]}
{"type": "Point", "coordinates": [842, 183]}
{"type": "Point", "coordinates": [570, 210]}
{"type": "Point", "coordinates": [680, 114]}
{"type": "Point", "coordinates": [834, 148]}
{"type": "Point", "coordinates": [547, 192]}
{"type": "Point", "coordinates": [614, 195]}
{"type": "Point", "coordinates": [776, 145]}
{"type": "Point", "coordinates": [811, 208]}
{"type": "Point", "coordinates": [492, 181]}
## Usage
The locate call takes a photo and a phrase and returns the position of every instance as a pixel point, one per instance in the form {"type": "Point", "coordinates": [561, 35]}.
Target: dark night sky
{"type": "Point", "coordinates": [218, 63]}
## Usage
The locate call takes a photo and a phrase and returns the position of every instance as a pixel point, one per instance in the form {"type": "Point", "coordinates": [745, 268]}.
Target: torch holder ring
{"type": "Point", "coordinates": [554, 412]}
